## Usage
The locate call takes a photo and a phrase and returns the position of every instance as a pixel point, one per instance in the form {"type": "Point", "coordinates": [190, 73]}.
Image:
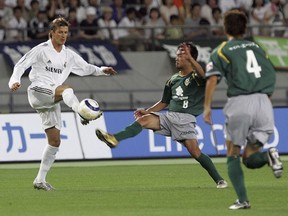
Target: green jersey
{"type": "Point", "coordinates": [185, 94]}
{"type": "Point", "coordinates": [245, 66]}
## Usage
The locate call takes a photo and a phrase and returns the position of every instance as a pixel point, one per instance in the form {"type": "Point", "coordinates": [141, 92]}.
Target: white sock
{"type": "Point", "coordinates": [70, 99]}
{"type": "Point", "coordinates": [48, 159]}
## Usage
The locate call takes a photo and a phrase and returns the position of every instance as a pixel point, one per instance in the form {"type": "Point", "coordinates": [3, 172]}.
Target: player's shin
{"type": "Point", "coordinates": [236, 176]}
{"type": "Point", "coordinates": [208, 165]}
{"type": "Point", "coordinates": [130, 131]}
{"type": "Point", "coordinates": [70, 99]}
{"type": "Point", "coordinates": [48, 159]}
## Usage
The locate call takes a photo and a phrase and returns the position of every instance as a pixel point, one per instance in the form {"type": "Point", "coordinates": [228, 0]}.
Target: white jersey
{"type": "Point", "coordinates": [51, 67]}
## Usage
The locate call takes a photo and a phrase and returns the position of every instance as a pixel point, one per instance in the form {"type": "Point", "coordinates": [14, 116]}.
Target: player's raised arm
{"type": "Point", "coordinates": [186, 51]}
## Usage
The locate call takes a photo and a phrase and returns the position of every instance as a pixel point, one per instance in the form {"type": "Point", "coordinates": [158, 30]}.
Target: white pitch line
{"type": "Point", "coordinates": [115, 162]}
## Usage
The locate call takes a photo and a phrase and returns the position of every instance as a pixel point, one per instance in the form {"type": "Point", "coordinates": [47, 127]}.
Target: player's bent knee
{"type": "Point", "coordinates": [146, 120]}
{"type": "Point", "coordinates": [55, 143]}
{"type": "Point", "coordinates": [248, 162]}
{"type": "Point", "coordinates": [65, 86]}
{"type": "Point", "coordinates": [192, 148]}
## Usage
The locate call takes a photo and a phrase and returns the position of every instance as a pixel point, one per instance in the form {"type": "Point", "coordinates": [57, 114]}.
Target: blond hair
{"type": "Point", "coordinates": [58, 22]}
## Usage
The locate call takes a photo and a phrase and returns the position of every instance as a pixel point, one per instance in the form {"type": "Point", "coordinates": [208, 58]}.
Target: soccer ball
{"type": "Point", "coordinates": [89, 109]}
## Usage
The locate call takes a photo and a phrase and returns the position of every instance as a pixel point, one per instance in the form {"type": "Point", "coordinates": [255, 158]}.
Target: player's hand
{"type": "Point", "coordinates": [140, 112]}
{"type": "Point", "coordinates": [207, 116]}
{"type": "Point", "coordinates": [186, 51]}
{"type": "Point", "coordinates": [15, 86]}
{"type": "Point", "coordinates": [109, 70]}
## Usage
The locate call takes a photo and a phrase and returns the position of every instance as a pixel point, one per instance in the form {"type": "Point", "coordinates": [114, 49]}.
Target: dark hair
{"type": "Point", "coordinates": [34, 2]}
{"type": "Point", "coordinates": [254, 3]}
{"type": "Point", "coordinates": [17, 8]}
{"type": "Point", "coordinates": [216, 9]}
{"type": "Point", "coordinates": [204, 21]}
{"type": "Point", "coordinates": [131, 10]}
{"type": "Point", "coordinates": [72, 10]}
{"type": "Point", "coordinates": [174, 17]}
{"type": "Point", "coordinates": [154, 9]}
{"type": "Point", "coordinates": [78, 3]}
{"type": "Point", "coordinates": [194, 5]}
{"type": "Point", "coordinates": [42, 12]}
{"type": "Point", "coordinates": [192, 48]}
{"type": "Point", "coordinates": [235, 22]}
{"type": "Point", "coordinates": [164, 2]}
{"type": "Point", "coordinates": [207, 2]}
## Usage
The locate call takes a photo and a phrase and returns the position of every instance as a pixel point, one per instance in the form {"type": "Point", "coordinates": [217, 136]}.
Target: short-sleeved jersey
{"type": "Point", "coordinates": [245, 66]}
{"type": "Point", "coordinates": [185, 94]}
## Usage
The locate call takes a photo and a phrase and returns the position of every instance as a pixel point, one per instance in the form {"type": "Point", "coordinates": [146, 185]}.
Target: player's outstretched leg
{"type": "Point", "coordinates": [109, 139]}
{"type": "Point", "coordinates": [275, 162]}
{"type": "Point", "coordinates": [113, 140]}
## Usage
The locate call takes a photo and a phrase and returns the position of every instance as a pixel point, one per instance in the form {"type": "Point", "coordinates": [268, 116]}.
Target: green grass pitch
{"type": "Point", "coordinates": [168, 187]}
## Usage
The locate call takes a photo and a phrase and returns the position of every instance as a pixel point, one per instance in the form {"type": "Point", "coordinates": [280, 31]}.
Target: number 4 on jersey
{"type": "Point", "coordinates": [252, 65]}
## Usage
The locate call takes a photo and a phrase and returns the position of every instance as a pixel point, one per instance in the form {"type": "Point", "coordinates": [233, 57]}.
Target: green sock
{"type": "Point", "coordinates": [130, 131]}
{"type": "Point", "coordinates": [236, 176]}
{"type": "Point", "coordinates": [256, 160]}
{"type": "Point", "coordinates": [207, 164]}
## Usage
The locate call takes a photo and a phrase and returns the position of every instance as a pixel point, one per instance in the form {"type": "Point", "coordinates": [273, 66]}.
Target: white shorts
{"type": "Point", "coordinates": [41, 98]}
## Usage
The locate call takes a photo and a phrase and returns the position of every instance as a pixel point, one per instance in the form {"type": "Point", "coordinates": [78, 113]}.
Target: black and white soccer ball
{"type": "Point", "coordinates": [89, 109]}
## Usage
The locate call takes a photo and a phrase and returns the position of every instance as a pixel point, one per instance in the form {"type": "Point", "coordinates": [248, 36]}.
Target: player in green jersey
{"type": "Point", "coordinates": [249, 123]}
{"type": "Point", "coordinates": [184, 94]}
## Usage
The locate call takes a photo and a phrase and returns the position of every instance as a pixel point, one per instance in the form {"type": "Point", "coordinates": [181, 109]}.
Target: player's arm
{"type": "Point", "coordinates": [198, 68]}
{"type": "Point", "coordinates": [160, 105]}
{"type": "Point", "coordinates": [213, 76]}
{"type": "Point", "coordinates": [209, 92]}
{"type": "Point", "coordinates": [155, 108]}
{"type": "Point", "coordinates": [83, 68]}
{"type": "Point", "coordinates": [25, 62]}
{"type": "Point", "coordinates": [108, 70]}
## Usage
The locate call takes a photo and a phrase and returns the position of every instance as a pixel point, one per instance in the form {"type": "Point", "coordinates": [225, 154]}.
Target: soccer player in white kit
{"type": "Point", "coordinates": [51, 63]}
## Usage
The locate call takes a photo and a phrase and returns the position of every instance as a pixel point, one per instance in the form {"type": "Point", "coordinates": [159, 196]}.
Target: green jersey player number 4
{"type": "Point", "coordinates": [249, 120]}
{"type": "Point", "coordinates": [243, 76]}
